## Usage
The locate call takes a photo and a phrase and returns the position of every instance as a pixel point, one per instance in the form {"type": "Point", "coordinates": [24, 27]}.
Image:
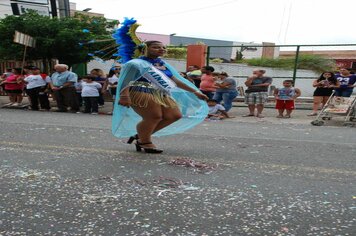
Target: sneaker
{"type": "Point", "coordinates": [15, 104]}
{"type": "Point", "coordinates": [94, 113]}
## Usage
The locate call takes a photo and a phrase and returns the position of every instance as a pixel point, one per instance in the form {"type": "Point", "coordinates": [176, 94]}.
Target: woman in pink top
{"type": "Point", "coordinates": [14, 86]}
{"type": "Point", "coordinates": [207, 81]}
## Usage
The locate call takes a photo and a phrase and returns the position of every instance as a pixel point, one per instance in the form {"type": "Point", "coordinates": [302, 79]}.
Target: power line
{"type": "Point", "coordinates": [191, 10]}
{"type": "Point", "coordinates": [287, 27]}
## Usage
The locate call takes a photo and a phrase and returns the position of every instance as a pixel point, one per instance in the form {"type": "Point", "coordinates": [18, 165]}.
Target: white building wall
{"type": "Point", "coordinates": [5, 8]}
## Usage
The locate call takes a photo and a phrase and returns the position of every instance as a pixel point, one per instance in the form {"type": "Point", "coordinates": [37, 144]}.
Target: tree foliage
{"type": "Point", "coordinates": [64, 39]}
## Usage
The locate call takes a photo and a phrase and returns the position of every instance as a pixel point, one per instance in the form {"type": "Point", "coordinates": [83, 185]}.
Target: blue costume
{"type": "Point", "coordinates": [149, 79]}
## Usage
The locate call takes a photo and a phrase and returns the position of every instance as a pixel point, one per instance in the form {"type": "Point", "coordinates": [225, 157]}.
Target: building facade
{"type": "Point", "coordinates": [54, 8]}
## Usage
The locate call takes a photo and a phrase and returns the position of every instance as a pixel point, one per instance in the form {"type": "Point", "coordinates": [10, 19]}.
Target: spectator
{"type": "Point", "coordinates": [78, 91]}
{"type": "Point", "coordinates": [113, 79]}
{"type": "Point", "coordinates": [111, 83]}
{"type": "Point", "coordinates": [14, 86]}
{"type": "Point", "coordinates": [347, 81]}
{"type": "Point", "coordinates": [194, 75]}
{"type": "Point", "coordinates": [226, 90]}
{"type": "Point", "coordinates": [3, 78]}
{"type": "Point", "coordinates": [62, 84]}
{"type": "Point", "coordinates": [325, 85]}
{"type": "Point", "coordinates": [90, 94]}
{"type": "Point", "coordinates": [207, 85]}
{"type": "Point", "coordinates": [256, 93]}
{"type": "Point", "coordinates": [100, 77]}
{"type": "Point", "coordinates": [216, 110]}
{"type": "Point", "coordinates": [285, 98]}
{"type": "Point", "coordinates": [6, 74]}
{"type": "Point", "coordinates": [36, 85]}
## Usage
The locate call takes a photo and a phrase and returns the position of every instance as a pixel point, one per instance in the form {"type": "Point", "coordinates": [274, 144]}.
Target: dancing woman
{"type": "Point", "coordinates": [151, 97]}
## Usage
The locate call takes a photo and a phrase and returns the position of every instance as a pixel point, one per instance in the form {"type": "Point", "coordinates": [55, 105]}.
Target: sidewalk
{"type": "Point", "coordinates": [299, 116]}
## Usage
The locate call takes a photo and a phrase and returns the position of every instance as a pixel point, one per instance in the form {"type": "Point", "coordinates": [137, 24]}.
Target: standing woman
{"type": "Point", "coordinates": [146, 86]}
{"type": "Point", "coordinates": [207, 84]}
{"type": "Point", "coordinates": [111, 83]}
{"type": "Point", "coordinates": [324, 88]}
{"type": "Point", "coordinates": [152, 98]}
{"type": "Point", "coordinates": [226, 90]}
{"type": "Point", "coordinates": [100, 78]}
{"type": "Point", "coordinates": [14, 86]}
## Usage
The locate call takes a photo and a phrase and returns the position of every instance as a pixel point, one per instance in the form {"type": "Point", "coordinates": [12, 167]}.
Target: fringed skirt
{"type": "Point", "coordinates": [141, 93]}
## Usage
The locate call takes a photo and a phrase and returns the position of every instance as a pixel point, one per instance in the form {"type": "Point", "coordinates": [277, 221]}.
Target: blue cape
{"type": "Point", "coordinates": [125, 119]}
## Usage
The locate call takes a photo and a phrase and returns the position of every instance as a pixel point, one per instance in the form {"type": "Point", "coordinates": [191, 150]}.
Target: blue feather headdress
{"type": "Point", "coordinates": [127, 40]}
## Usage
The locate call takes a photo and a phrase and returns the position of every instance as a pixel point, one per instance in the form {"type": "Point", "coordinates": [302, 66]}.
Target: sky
{"type": "Point", "coordinates": [277, 21]}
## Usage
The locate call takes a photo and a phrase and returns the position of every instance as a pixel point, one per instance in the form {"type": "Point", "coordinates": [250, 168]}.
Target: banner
{"type": "Point", "coordinates": [24, 39]}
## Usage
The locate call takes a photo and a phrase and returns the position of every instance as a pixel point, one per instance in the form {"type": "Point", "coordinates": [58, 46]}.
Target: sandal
{"type": "Point", "coordinates": [147, 149]}
{"type": "Point", "coordinates": [248, 115]}
{"type": "Point", "coordinates": [132, 138]}
{"type": "Point", "coordinates": [279, 116]}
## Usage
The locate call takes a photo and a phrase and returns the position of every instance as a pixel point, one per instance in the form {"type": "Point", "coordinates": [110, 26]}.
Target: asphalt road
{"type": "Point", "coordinates": [65, 174]}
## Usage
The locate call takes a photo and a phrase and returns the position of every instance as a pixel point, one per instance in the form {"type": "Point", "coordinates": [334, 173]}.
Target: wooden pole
{"type": "Point", "coordinates": [23, 59]}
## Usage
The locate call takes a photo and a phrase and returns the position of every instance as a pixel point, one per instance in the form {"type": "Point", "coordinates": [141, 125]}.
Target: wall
{"type": "Point", "coordinates": [165, 39]}
{"type": "Point", "coordinates": [5, 8]}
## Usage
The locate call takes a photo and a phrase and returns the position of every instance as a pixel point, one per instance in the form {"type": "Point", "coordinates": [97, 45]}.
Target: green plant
{"type": "Point", "coordinates": [216, 60]}
{"type": "Point", "coordinates": [176, 52]}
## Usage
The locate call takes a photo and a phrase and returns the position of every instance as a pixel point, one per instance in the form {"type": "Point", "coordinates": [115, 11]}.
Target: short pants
{"type": "Point", "coordinates": [285, 104]}
{"type": "Point", "coordinates": [256, 98]}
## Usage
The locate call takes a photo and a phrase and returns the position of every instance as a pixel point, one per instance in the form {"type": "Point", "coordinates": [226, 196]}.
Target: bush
{"type": "Point", "coordinates": [176, 52]}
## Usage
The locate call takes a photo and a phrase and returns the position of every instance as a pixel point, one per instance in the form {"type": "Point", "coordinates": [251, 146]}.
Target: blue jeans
{"type": "Point", "coordinates": [343, 93]}
{"type": "Point", "coordinates": [209, 94]}
{"type": "Point", "coordinates": [227, 97]}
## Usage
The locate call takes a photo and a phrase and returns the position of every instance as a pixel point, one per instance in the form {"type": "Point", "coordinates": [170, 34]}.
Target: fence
{"type": "Point", "coordinates": [316, 57]}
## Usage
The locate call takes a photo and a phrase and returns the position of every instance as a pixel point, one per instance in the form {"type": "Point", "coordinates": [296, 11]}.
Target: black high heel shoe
{"type": "Point", "coordinates": [147, 149]}
{"type": "Point", "coordinates": [132, 138]}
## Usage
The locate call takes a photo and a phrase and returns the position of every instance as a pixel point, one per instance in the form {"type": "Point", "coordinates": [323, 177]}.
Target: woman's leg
{"type": "Point", "coordinates": [12, 97]}
{"type": "Point", "coordinates": [316, 103]}
{"type": "Point", "coordinates": [324, 100]}
{"type": "Point", "coordinates": [33, 95]}
{"type": "Point", "coordinates": [19, 98]}
{"type": "Point", "coordinates": [169, 116]}
{"type": "Point", "coordinates": [151, 117]}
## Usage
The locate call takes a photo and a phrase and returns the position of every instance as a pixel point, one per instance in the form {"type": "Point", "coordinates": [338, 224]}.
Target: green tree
{"type": "Point", "coordinates": [68, 39]}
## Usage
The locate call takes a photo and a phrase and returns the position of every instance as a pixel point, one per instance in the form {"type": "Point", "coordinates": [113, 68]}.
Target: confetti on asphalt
{"type": "Point", "coordinates": [198, 167]}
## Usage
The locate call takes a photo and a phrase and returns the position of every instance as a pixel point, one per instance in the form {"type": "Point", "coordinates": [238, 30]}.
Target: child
{"type": "Point", "coordinates": [285, 98]}
{"type": "Point", "coordinates": [216, 110]}
{"type": "Point", "coordinates": [90, 94]}
{"type": "Point", "coordinates": [78, 91]}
